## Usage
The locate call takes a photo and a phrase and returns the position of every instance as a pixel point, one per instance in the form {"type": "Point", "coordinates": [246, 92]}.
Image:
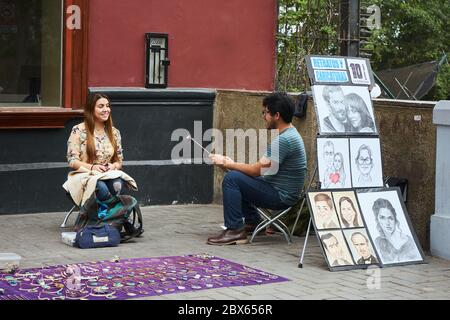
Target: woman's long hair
{"type": "Point", "coordinates": [356, 103]}
{"type": "Point", "coordinates": [341, 170]}
{"type": "Point", "coordinates": [89, 122]}
{"type": "Point", "coordinates": [355, 219]}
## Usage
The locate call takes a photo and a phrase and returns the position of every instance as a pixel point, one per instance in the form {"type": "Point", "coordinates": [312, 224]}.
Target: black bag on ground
{"type": "Point", "coordinates": [122, 212]}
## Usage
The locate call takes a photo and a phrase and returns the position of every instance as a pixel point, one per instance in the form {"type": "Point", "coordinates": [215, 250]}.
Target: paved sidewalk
{"type": "Point", "coordinates": [182, 230]}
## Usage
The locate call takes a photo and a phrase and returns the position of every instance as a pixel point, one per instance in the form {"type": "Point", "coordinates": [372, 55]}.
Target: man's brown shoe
{"type": "Point", "coordinates": [229, 237]}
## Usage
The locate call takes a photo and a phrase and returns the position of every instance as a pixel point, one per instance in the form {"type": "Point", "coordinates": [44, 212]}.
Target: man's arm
{"type": "Point", "coordinates": [253, 170]}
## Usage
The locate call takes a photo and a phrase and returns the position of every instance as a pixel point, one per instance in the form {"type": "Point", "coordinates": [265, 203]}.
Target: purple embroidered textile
{"type": "Point", "coordinates": [129, 278]}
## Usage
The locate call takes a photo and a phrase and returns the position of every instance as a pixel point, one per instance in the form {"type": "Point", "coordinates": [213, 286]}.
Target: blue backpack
{"type": "Point", "coordinates": [121, 212]}
{"type": "Point", "coordinates": [98, 236]}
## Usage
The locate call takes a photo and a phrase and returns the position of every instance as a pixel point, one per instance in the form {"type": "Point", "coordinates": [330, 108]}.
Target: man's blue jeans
{"type": "Point", "coordinates": [105, 189]}
{"type": "Point", "coordinates": [241, 193]}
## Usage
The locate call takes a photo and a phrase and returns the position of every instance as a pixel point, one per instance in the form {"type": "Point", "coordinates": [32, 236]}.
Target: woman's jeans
{"type": "Point", "coordinates": [105, 189]}
{"type": "Point", "coordinates": [241, 193]}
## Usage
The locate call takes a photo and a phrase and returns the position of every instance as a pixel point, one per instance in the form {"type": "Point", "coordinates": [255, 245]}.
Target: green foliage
{"type": "Point", "coordinates": [305, 27]}
{"type": "Point", "coordinates": [412, 31]}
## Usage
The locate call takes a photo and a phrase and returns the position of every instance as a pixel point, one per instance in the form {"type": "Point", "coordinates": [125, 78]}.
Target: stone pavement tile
{"type": "Point", "coordinates": [436, 270]}
{"type": "Point", "coordinates": [320, 296]}
{"type": "Point", "coordinates": [436, 296]}
{"type": "Point", "coordinates": [406, 295]}
{"type": "Point", "coordinates": [436, 279]}
{"type": "Point", "coordinates": [348, 296]}
{"type": "Point", "coordinates": [404, 285]}
{"type": "Point", "coordinates": [286, 296]}
{"type": "Point", "coordinates": [341, 290]}
{"type": "Point", "coordinates": [353, 283]}
{"type": "Point", "coordinates": [293, 291]}
{"type": "Point", "coordinates": [248, 290]}
{"type": "Point", "coordinates": [240, 296]}
{"type": "Point", "coordinates": [222, 294]}
{"type": "Point", "coordinates": [302, 296]}
{"type": "Point", "coordinates": [204, 297]}
{"type": "Point", "coordinates": [413, 289]}
{"type": "Point", "coordinates": [167, 297]}
{"type": "Point", "coordinates": [379, 297]}
{"type": "Point", "coordinates": [261, 296]}
{"type": "Point", "coordinates": [171, 297]}
{"type": "Point", "coordinates": [326, 285]}
{"type": "Point", "coordinates": [409, 276]}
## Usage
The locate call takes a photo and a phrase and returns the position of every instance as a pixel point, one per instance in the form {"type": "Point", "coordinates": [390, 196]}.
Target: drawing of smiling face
{"type": "Point", "coordinates": [354, 117]}
{"type": "Point", "coordinates": [337, 162]}
{"type": "Point", "coordinates": [328, 155]}
{"type": "Point", "coordinates": [337, 106]}
{"type": "Point", "coordinates": [364, 162]}
{"type": "Point", "coordinates": [347, 212]}
{"type": "Point", "coordinates": [324, 211]}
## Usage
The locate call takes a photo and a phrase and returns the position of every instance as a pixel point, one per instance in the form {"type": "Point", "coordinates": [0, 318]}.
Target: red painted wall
{"type": "Point", "coordinates": [227, 44]}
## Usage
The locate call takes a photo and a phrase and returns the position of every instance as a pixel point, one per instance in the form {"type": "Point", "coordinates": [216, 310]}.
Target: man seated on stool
{"type": "Point", "coordinates": [274, 182]}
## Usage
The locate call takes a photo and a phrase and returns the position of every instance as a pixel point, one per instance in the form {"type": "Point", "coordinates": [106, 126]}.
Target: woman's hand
{"type": "Point", "coordinates": [99, 168]}
{"type": "Point", "coordinates": [110, 167]}
{"type": "Point", "coordinates": [105, 167]}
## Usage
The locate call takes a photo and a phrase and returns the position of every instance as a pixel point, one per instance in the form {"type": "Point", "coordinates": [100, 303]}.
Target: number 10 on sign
{"type": "Point", "coordinates": [359, 72]}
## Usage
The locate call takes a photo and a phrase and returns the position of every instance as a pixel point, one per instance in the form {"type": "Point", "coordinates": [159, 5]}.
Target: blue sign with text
{"type": "Point", "coordinates": [328, 63]}
{"type": "Point", "coordinates": [331, 76]}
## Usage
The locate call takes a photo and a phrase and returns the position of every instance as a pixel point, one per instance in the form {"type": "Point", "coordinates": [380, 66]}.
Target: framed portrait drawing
{"type": "Point", "coordinates": [336, 250]}
{"type": "Point", "coordinates": [389, 226]}
{"type": "Point", "coordinates": [333, 157]}
{"type": "Point", "coordinates": [347, 209]}
{"type": "Point", "coordinates": [361, 247]}
{"type": "Point", "coordinates": [344, 110]}
{"type": "Point", "coordinates": [365, 162]}
{"type": "Point", "coordinates": [323, 212]}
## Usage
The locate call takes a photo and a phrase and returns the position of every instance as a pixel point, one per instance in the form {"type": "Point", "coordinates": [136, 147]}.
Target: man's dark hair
{"type": "Point", "coordinates": [327, 236]}
{"type": "Point", "coordinates": [282, 103]}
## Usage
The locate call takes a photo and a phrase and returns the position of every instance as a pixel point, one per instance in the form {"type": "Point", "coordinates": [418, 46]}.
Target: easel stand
{"type": "Point", "coordinates": [300, 265]}
{"type": "Point", "coordinates": [311, 180]}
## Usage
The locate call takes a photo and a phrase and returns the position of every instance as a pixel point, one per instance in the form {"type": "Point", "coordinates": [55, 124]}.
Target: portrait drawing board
{"type": "Point", "coordinates": [389, 225]}
{"type": "Point", "coordinates": [344, 110]}
{"type": "Point", "coordinates": [341, 252]}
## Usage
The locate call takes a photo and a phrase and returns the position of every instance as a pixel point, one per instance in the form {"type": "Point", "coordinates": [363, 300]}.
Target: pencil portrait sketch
{"type": "Point", "coordinates": [366, 166]}
{"type": "Point", "coordinates": [334, 163]}
{"type": "Point", "coordinates": [344, 110]}
{"type": "Point", "coordinates": [361, 247]}
{"type": "Point", "coordinates": [324, 213]}
{"type": "Point", "coordinates": [335, 248]}
{"type": "Point", "coordinates": [347, 209]}
{"type": "Point", "coordinates": [387, 223]}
